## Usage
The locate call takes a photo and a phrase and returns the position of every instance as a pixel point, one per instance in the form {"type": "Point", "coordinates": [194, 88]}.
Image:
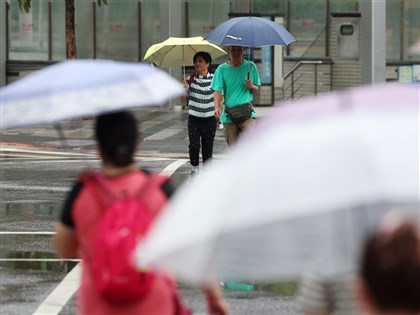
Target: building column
{"type": "Point", "coordinates": [171, 18]}
{"type": "Point", "coordinates": [3, 44]}
{"type": "Point", "coordinates": [373, 41]}
{"type": "Point", "coordinates": [171, 25]}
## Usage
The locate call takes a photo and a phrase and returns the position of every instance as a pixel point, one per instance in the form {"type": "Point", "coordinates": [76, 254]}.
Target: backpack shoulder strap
{"type": "Point", "coordinates": [105, 193]}
{"type": "Point", "coordinates": [99, 185]}
{"type": "Point", "coordinates": [153, 180]}
{"type": "Point", "coordinates": [191, 79]}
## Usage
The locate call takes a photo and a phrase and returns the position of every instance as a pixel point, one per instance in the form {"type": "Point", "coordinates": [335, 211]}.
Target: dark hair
{"type": "Point", "coordinates": [205, 55]}
{"type": "Point", "coordinates": [390, 269]}
{"type": "Point", "coordinates": [117, 136]}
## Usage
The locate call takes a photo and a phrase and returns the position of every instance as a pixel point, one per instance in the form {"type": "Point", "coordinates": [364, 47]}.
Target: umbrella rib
{"type": "Point", "coordinates": [178, 53]}
{"type": "Point", "coordinates": [164, 55]}
{"type": "Point", "coordinates": [192, 48]}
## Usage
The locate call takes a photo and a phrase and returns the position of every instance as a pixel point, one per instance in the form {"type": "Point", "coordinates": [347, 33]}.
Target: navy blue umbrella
{"type": "Point", "coordinates": [250, 31]}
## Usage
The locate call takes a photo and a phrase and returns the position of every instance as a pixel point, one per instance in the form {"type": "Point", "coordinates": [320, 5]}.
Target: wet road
{"type": "Point", "coordinates": [33, 186]}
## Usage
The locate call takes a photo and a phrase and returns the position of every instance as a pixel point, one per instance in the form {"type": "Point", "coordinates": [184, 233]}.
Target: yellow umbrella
{"type": "Point", "coordinates": [179, 51]}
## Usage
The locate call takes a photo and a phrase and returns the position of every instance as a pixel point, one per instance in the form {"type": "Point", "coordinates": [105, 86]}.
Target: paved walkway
{"type": "Point", "coordinates": [164, 134]}
{"type": "Point", "coordinates": [163, 131]}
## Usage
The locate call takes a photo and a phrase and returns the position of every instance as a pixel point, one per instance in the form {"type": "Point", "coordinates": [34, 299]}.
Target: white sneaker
{"type": "Point", "coordinates": [195, 170]}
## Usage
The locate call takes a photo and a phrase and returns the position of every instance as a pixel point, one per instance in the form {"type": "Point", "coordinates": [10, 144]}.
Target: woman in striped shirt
{"type": "Point", "coordinates": [202, 124]}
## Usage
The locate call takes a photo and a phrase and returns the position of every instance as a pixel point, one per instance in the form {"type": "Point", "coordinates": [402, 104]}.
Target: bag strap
{"type": "Point", "coordinates": [153, 180]}
{"type": "Point", "coordinates": [191, 79]}
{"type": "Point", "coordinates": [105, 193]}
{"type": "Point", "coordinates": [99, 186]}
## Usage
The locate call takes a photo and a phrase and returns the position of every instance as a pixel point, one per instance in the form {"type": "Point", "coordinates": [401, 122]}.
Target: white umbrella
{"type": "Point", "coordinates": [78, 88]}
{"type": "Point", "coordinates": [308, 182]}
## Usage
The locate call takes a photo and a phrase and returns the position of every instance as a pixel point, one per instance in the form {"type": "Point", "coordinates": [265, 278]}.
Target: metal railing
{"type": "Point", "coordinates": [294, 81]}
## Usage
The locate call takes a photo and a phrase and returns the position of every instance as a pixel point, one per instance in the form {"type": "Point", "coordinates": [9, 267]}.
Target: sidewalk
{"type": "Point", "coordinates": [34, 189]}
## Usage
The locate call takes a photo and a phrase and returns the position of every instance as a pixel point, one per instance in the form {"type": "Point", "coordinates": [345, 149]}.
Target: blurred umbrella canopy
{"type": "Point", "coordinates": [306, 184]}
{"type": "Point", "coordinates": [81, 87]}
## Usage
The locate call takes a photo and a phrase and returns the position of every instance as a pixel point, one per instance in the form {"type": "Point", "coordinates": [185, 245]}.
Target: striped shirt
{"type": "Point", "coordinates": [201, 97]}
{"type": "Point", "coordinates": [335, 295]}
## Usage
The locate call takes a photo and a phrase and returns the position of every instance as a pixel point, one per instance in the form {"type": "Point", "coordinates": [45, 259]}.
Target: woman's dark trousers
{"type": "Point", "coordinates": [201, 133]}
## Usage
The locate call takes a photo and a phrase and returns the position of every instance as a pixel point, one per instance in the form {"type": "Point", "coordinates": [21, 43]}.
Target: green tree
{"type": "Point", "coordinates": [70, 26]}
{"type": "Point", "coordinates": [25, 5]}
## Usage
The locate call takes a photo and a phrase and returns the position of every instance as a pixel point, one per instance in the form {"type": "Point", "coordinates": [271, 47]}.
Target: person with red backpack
{"type": "Point", "coordinates": [106, 213]}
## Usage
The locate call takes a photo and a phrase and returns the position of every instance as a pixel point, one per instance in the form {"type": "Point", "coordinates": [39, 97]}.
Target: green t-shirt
{"type": "Point", "coordinates": [230, 81]}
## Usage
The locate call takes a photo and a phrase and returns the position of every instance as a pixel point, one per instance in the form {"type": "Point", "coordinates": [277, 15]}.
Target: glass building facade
{"type": "Point", "coordinates": [124, 29]}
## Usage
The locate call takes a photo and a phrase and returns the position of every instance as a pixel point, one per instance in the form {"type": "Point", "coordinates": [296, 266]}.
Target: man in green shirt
{"type": "Point", "coordinates": [234, 83]}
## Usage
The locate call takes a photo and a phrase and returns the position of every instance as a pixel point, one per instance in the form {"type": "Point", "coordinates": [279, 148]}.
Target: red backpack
{"type": "Point", "coordinates": [124, 221]}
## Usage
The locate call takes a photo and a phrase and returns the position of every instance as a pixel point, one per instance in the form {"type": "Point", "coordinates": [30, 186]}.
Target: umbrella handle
{"type": "Point", "coordinates": [249, 56]}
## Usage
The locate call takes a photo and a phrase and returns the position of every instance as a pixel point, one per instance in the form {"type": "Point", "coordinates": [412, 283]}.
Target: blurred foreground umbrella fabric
{"type": "Point", "coordinates": [305, 185]}
{"type": "Point", "coordinates": [77, 88]}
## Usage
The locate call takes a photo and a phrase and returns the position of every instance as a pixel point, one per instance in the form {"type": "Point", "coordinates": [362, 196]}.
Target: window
{"type": "Point", "coordinates": [117, 30]}
{"type": "Point", "coordinates": [307, 20]}
{"type": "Point", "coordinates": [393, 30]}
{"type": "Point", "coordinates": [83, 27]}
{"type": "Point", "coordinates": [204, 16]}
{"type": "Point", "coordinates": [28, 31]}
{"type": "Point", "coordinates": [150, 25]}
{"type": "Point", "coordinates": [411, 31]}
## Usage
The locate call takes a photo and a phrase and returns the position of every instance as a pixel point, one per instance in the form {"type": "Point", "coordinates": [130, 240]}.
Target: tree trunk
{"type": "Point", "coordinates": [70, 30]}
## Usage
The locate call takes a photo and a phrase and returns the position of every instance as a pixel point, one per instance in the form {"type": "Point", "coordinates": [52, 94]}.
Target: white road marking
{"type": "Point", "coordinates": [62, 159]}
{"type": "Point", "coordinates": [22, 152]}
{"type": "Point", "coordinates": [26, 233]}
{"type": "Point", "coordinates": [163, 134]}
{"type": "Point", "coordinates": [42, 161]}
{"type": "Point", "coordinates": [59, 297]}
{"type": "Point", "coordinates": [54, 303]}
{"type": "Point", "coordinates": [39, 259]}
{"type": "Point", "coordinates": [36, 188]}
{"type": "Point", "coordinates": [47, 152]}
{"type": "Point", "coordinates": [168, 171]}
{"type": "Point", "coordinates": [171, 168]}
